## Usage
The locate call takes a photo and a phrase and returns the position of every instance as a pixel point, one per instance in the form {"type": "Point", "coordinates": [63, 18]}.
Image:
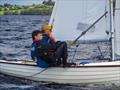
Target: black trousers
{"type": "Point", "coordinates": [61, 52]}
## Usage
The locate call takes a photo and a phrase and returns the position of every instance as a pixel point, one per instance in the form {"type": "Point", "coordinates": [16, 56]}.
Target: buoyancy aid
{"type": "Point", "coordinates": [49, 39]}
{"type": "Point", "coordinates": [44, 50]}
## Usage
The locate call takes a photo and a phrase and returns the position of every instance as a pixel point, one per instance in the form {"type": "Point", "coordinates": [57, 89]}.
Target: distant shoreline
{"type": "Point", "coordinates": [39, 9]}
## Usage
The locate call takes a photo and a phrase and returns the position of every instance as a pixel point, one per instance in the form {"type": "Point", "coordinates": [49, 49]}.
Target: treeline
{"type": "Point", "coordinates": [41, 9]}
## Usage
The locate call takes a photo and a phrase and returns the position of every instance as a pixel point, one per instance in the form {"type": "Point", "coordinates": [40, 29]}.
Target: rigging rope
{"type": "Point", "coordinates": [84, 32]}
{"type": "Point", "coordinates": [37, 73]}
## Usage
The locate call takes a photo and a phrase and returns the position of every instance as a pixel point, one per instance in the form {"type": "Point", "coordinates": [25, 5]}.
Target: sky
{"type": "Point", "coordinates": [21, 2]}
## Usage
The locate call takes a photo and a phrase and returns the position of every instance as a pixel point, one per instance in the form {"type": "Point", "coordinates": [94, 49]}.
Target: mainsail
{"type": "Point", "coordinates": [72, 17]}
{"type": "Point", "coordinates": [117, 27]}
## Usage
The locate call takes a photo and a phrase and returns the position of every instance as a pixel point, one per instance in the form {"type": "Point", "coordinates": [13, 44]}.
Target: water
{"type": "Point", "coordinates": [15, 41]}
{"type": "Point", "coordinates": [15, 35]}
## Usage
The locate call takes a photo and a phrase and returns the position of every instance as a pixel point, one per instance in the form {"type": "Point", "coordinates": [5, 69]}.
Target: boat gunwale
{"type": "Point", "coordinates": [80, 66]}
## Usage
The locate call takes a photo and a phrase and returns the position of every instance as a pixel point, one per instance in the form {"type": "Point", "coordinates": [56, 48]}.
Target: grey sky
{"type": "Point", "coordinates": [21, 2]}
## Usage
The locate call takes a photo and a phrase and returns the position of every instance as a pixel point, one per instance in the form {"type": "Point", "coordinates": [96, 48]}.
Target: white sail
{"type": "Point", "coordinates": [117, 27]}
{"type": "Point", "coordinates": [72, 17]}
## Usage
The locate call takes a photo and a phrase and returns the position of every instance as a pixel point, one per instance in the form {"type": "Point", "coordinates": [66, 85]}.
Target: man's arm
{"type": "Point", "coordinates": [33, 53]}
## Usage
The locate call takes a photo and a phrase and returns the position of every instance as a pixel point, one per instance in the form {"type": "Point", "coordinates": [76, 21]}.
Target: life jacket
{"type": "Point", "coordinates": [50, 40]}
{"type": "Point", "coordinates": [44, 50]}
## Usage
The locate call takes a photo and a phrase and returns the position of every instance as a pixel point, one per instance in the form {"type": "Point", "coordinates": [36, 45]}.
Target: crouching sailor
{"type": "Point", "coordinates": [61, 46]}
{"type": "Point", "coordinates": [45, 53]}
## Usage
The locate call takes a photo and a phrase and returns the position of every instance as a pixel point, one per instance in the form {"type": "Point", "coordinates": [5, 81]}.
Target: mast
{"type": "Point", "coordinates": [51, 22]}
{"type": "Point", "coordinates": [112, 31]}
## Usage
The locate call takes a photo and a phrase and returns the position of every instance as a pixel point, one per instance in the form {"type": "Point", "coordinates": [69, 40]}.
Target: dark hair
{"type": "Point", "coordinates": [34, 33]}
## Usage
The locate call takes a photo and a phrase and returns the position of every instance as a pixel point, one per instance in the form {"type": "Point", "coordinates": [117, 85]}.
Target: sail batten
{"type": "Point", "coordinates": [72, 17]}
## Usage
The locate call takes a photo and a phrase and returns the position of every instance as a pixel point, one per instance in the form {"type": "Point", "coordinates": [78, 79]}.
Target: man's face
{"type": "Point", "coordinates": [38, 37]}
{"type": "Point", "coordinates": [48, 32]}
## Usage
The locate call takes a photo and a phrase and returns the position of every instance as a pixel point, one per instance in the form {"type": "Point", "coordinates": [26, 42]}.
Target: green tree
{"type": "Point", "coordinates": [48, 2]}
{"type": "Point", "coordinates": [0, 8]}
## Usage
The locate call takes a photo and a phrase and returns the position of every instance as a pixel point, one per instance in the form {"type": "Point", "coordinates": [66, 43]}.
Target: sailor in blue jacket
{"type": "Point", "coordinates": [45, 53]}
{"type": "Point", "coordinates": [37, 36]}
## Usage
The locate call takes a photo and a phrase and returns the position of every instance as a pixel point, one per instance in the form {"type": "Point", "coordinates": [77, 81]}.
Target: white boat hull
{"type": "Point", "coordinates": [88, 73]}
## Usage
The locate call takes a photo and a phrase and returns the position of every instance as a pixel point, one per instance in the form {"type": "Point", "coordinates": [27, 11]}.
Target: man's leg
{"type": "Point", "coordinates": [65, 52]}
{"type": "Point", "coordinates": [61, 52]}
{"type": "Point", "coordinates": [41, 63]}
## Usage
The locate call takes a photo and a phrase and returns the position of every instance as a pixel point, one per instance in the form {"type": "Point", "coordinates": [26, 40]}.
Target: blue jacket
{"type": "Point", "coordinates": [45, 41]}
{"type": "Point", "coordinates": [45, 45]}
{"type": "Point", "coordinates": [33, 52]}
{"type": "Point", "coordinates": [40, 62]}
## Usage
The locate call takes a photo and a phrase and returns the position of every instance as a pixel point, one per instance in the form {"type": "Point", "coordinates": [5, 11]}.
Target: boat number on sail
{"type": "Point", "coordinates": [83, 26]}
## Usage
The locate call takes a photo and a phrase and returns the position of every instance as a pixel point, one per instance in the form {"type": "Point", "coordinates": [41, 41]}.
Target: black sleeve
{"type": "Point", "coordinates": [47, 46]}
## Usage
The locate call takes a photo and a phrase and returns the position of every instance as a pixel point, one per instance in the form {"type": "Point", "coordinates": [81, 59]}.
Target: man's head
{"type": "Point", "coordinates": [46, 29]}
{"type": "Point", "coordinates": [37, 35]}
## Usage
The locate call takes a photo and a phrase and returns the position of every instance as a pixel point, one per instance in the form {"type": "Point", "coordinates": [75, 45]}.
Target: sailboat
{"type": "Point", "coordinates": [78, 20]}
